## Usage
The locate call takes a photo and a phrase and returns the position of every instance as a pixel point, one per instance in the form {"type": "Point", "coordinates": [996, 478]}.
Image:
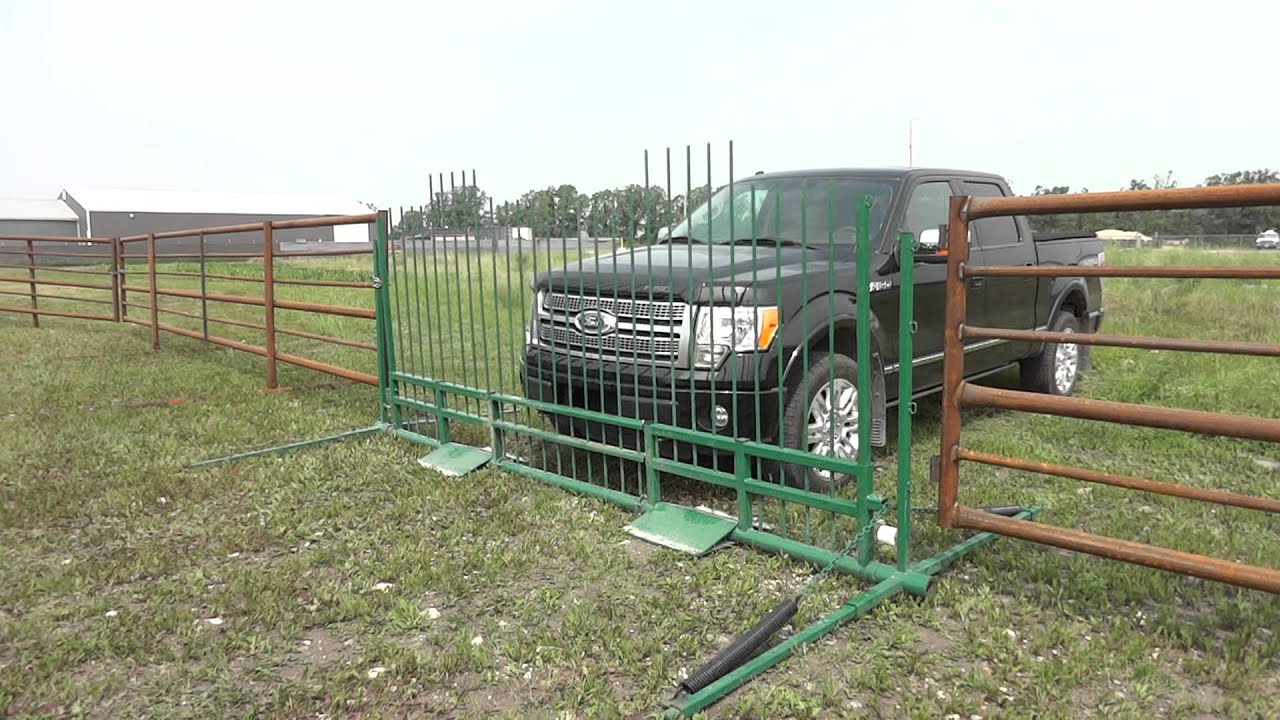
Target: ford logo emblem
{"type": "Point", "coordinates": [595, 322]}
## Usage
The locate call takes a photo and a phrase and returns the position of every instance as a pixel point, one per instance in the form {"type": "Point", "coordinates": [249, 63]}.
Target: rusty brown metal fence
{"type": "Point", "coordinates": [24, 275]}
{"type": "Point", "coordinates": [958, 393]}
{"type": "Point", "coordinates": [125, 278]}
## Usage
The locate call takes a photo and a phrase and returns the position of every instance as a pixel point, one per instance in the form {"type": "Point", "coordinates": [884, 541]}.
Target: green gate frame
{"type": "Point", "coordinates": [867, 508]}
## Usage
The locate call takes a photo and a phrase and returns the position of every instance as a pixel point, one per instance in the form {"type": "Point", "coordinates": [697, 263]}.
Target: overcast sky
{"type": "Point", "coordinates": [364, 99]}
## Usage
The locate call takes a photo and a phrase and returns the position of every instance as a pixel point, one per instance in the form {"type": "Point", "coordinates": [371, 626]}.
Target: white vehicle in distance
{"type": "Point", "coordinates": [1269, 240]}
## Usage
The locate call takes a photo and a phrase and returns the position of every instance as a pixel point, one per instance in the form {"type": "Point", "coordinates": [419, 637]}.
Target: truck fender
{"type": "Point", "coordinates": [1063, 288]}
{"type": "Point", "coordinates": [848, 322]}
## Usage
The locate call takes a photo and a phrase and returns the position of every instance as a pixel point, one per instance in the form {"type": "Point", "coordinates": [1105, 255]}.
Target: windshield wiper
{"type": "Point", "coordinates": [681, 238]}
{"type": "Point", "coordinates": [773, 242]}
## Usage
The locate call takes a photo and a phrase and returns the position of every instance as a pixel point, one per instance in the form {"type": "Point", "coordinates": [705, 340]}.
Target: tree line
{"type": "Point", "coordinates": [632, 212]}
{"type": "Point", "coordinates": [1213, 221]}
{"type": "Point", "coordinates": [636, 212]}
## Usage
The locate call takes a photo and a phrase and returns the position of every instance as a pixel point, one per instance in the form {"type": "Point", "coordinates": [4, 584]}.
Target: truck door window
{"type": "Point", "coordinates": [929, 206]}
{"type": "Point", "coordinates": [994, 232]}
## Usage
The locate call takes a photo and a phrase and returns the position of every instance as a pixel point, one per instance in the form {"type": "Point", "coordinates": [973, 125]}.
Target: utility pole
{"type": "Point", "coordinates": [911, 143]}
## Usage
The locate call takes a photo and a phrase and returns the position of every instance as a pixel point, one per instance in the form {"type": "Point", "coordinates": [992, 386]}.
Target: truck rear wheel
{"type": "Point", "coordinates": [820, 416]}
{"type": "Point", "coordinates": [1056, 370]}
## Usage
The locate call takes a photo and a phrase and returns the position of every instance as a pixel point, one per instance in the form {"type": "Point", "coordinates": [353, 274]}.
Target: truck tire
{"type": "Point", "coordinates": [1056, 369]}
{"type": "Point", "coordinates": [831, 381]}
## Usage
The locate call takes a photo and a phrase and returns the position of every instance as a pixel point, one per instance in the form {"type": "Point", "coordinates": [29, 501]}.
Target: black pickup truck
{"type": "Point", "coordinates": [631, 334]}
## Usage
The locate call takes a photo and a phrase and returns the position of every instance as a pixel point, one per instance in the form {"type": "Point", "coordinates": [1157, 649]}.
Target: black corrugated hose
{"type": "Point", "coordinates": [748, 643]}
{"type": "Point", "coordinates": [741, 649]}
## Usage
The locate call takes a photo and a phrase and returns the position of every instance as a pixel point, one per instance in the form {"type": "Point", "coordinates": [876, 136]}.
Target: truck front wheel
{"type": "Point", "coordinates": [820, 416]}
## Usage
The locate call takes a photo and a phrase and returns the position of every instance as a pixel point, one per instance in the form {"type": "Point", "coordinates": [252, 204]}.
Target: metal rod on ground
{"type": "Point", "coordinates": [290, 446]}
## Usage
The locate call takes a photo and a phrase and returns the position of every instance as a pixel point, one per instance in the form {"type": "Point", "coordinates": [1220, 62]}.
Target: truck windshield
{"type": "Point", "coordinates": [812, 211]}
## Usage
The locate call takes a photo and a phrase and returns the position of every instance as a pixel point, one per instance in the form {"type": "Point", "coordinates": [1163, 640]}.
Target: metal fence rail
{"type": "Point", "coordinates": [64, 289]}
{"type": "Point", "coordinates": [266, 299]}
{"type": "Point", "coordinates": [958, 394]}
{"type": "Point", "coordinates": [25, 252]}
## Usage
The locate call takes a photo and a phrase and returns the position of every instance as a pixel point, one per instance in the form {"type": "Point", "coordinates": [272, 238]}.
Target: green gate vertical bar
{"type": "Point", "coordinates": [783, 513]}
{"type": "Point", "coordinates": [830, 292]}
{"type": "Point", "coordinates": [443, 322]}
{"type": "Point", "coordinates": [906, 408]}
{"type": "Point", "coordinates": [805, 325]}
{"type": "Point", "coordinates": [688, 341]}
{"type": "Point", "coordinates": [382, 304]}
{"type": "Point", "coordinates": [405, 320]}
{"type": "Point", "coordinates": [496, 408]}
{"type": "Point", "coordinates": [755, 467]}
{"type": "Point", "coordinates": [863, 300]}
{"type": "Point", "coordinates": [740, 468]}
{"type": "Point", "coordinates": [415, 282]}
{"type": "Point", "coordinates": [694, 309]}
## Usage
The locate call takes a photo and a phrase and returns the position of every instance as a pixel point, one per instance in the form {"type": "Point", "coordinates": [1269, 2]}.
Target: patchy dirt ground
{"type": "Point", "coordinates": [350, 582]}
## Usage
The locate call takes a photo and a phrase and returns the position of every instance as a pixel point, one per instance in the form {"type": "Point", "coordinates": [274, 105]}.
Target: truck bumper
{"type": "Point", "coordinates": [646, 394]}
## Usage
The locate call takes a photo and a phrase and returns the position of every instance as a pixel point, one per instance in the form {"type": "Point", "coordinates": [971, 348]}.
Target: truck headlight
{"type": "Point", "coordinates": [723, 330]}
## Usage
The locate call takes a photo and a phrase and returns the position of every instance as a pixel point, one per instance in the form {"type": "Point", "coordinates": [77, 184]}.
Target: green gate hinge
{"type": "Point", "coordinates": [681, 528]}
{"type": "Point", "coordinates": [455, 460]}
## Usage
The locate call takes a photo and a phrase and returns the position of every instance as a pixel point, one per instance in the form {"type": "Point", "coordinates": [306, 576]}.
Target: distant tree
{"type": "Point", "coordinates": [411, 223]}
{"type": "Point", "coordinates": [1052, 223]}
{"type": "Point", "coordinates": [460, 208]}
{"type": "Point", "coordinates": [1240, 220]}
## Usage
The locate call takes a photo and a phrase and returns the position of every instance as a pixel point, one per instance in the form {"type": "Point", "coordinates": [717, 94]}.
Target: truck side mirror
{"type": "Point", "coordinates": [931, 247]}
{"type": "Point", "coordinates": [930, 239]}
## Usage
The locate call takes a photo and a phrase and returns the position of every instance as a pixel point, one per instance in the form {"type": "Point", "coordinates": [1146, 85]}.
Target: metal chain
{"type": "Point", "coordinates": [875, 520]}
{"type": "Point", "coordinates": [871, 525]}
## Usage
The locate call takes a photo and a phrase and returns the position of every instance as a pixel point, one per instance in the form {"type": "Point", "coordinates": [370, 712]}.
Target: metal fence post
{"type": "Point", "coordinates": [957, 295]}
{"type": "Point", "coordinates": [204, 292]}
{"type": "Point", "coordinates": [388, 410]}
{"type": "Point", "coordinates": [155, 308]}
{"type": "Point", "coordinates": [269, 302]}
{"type": "Point", "coordinates": [117, 289]}
{"type": "Point", "coordinates": [31, 273]}
{"type": "Point", "coordinates": [119, 248]}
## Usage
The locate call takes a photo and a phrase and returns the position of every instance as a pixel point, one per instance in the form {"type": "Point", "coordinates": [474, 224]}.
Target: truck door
{"type": "Point", "coordinates": [1007, 302]}
{"type": "Point", "coordinates": [927, 207]}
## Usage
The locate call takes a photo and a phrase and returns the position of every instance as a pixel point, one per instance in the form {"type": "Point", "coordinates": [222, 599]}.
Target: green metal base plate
{"type": "Point", "coordinates": [455, 460]}
{"type": "Point", "coordinates": [681, 528]}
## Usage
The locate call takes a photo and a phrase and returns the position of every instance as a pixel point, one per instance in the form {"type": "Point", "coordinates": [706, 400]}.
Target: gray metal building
{"type": "Point", "coordinates": [104, 212]}
{"type": "Point", "coordinates": [31, 216]}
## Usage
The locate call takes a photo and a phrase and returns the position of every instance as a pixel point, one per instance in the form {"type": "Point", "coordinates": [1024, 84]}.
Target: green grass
{"type": "Point", "coordinates": [113, 558]}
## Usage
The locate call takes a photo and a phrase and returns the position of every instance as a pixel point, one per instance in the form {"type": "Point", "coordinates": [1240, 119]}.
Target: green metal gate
{"type": "Point", "coordinates": [715, 375]}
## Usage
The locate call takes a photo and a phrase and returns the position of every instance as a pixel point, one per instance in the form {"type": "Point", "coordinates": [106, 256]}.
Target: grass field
{"type": "Point", "coordinates": [346, 581]}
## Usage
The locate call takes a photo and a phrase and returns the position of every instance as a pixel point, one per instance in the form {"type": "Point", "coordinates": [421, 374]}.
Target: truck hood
{"type": "Point", "coordinates": [682, 271]}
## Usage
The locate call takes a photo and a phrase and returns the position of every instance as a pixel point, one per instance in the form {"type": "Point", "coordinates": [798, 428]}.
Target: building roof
{"type": "Point", "coordinates": [210, 203]}
{"type": "Point", "coordinates": [35, 209]}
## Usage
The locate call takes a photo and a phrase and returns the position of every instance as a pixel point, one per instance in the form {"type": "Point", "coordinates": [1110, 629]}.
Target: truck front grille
{"type": "Point", "coordinates": [624, 308]}
{"type": "Point", "coordinates": [648, 330]}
